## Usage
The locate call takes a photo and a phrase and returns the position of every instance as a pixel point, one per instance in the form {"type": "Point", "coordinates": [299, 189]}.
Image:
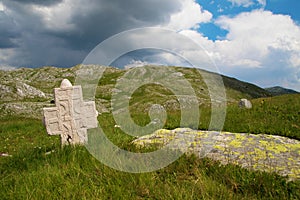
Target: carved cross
{"type": "Point", "coordinates": [72, 116]}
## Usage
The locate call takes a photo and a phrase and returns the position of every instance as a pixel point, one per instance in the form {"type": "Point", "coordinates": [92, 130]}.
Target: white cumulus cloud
{"type": "Point", "coordinates": [254, 35]}
{"type": "Point", "coordinates": [247, 3]}
{"type": "Point", "coordinates": [190, 16]}
{"type": "Point", "coordinates": [260, 47]}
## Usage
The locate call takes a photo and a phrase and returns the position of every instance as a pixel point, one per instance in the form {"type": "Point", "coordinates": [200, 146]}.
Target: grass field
{"type": "Point", "coordinates": [38, 168]}
{"type": "Point", "coordinates": [33, 165]}
{"type": "Point", "coordinates": [273, 115]}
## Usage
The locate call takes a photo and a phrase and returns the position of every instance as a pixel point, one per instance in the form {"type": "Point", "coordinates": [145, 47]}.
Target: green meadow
{"type": "Point", "coordinates": [33, 164]}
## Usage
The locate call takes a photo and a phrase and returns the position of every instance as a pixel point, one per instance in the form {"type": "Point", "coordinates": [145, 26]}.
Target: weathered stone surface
{"type": "Point", "coordinates": [19, 91]}
{"type": "Point", "coordinates": [257, 152]}
{"type": "Point", "coordinates": [25, 90]}
{"type": "Point", "coordinates": [72, 116]}
{"type": "Point", "coordinates": [245, 103]}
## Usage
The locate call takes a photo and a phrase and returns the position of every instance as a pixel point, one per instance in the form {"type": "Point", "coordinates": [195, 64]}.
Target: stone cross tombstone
{"type": "Point", "coordinates": [72, 116]}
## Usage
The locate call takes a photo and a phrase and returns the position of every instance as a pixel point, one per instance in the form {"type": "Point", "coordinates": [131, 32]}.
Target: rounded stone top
{"type": "Point", "coordinates": [65, 83]}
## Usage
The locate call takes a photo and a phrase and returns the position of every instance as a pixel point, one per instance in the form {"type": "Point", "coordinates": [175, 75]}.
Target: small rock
{"type": "Point", "coordinates": [245, 103]}
{"type": "Point", "coordinates": [5, 155]}
{"type": "Point", "coordinates": [50, 152]}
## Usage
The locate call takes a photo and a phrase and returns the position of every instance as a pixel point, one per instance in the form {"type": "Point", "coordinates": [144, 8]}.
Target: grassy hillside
{"type": "Point", "coordinates": [274, 115]}
{"type": "Point", "coordinates": [46, 78]}
{"type": "Point", "coordinates": [34, 166]}
{"type": "Point", "coordinates": [25, 91]}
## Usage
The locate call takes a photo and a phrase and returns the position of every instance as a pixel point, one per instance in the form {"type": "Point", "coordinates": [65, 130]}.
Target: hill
{"type": "Point", "coordinates": [25, 91]}
{"type": "Point", "coordinates": [277, 91]}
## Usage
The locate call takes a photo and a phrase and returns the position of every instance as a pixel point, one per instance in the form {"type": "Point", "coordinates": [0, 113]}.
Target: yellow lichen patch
{"type": "Point", "coordinates": [263, 142]}
{"type": "Point", "coordinates": [240, 137]}
{"type": "Point", "coordinates": [235, 143]}
{"type": "Point", "coordinates": [277, 168]}
{"type": "Point", "coordinates": [169, 137]}
{"type": "Point", "coordinates": [270, 155]}
{"type": "Point", "coordinates": [259, 154]}
{"type": "Point", "coordinates": [202, 134]}
{"type": "Point", "coordinates": [165, 134]}
{"type": "Point", "coordinates": [276, 148]}
{"type": "Point", "coordinates": [156, 141]}
{"type": "Point", "coordinates": [219, 147]}
{"type": "Point", "coordinates": [291, 159]}
{"type": "Point", "coordinates": [194, 143]}
{"type": "Point", "coordinates": [139, 143]}
{"type": "Point", "coordinates": [250, 142]}
{"type": "Point", "coordinates": [296, 172]}
{"type": "Point", "coordinates": [250, 152]}
{"type": "Point", "coordinates": [162, 132]}
{"type": "Point", "coordinates": [294, 147]}
{"type": "Point", "coordinates": [255, 166]}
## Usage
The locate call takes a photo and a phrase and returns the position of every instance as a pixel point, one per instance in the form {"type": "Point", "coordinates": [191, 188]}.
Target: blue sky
{"type": "Point", "coordinates": [257, 41]}
{"type": "Point", "coordinates": [219, 8]}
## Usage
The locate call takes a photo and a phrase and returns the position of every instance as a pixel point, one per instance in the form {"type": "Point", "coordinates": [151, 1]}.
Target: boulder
{"type": "Point", "coordinates": [245, 103]}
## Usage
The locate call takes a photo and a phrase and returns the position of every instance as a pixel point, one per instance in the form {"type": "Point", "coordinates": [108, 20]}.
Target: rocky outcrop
{"type": "Point", "coordinates": [27, 91]}
{"type": "Point", "coordinates": [4, 90]}
{"type": "Point", "coordinates": [20, 91]}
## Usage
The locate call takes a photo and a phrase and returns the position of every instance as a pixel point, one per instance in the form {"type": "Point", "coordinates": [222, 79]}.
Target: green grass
{"type": "Point", "coordinates": [276, 116]}
{"type": "Point", "coordinates": [21, 134]}
{"type": "Point", "coordinates": [39, 168]}
{"type": "Point", "coordinates": [72, 173]}
{"type": "Point", "coordinates": [273, 115]}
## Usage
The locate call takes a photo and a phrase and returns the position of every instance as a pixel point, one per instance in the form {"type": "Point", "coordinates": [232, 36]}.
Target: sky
{"type": "Point", "coordinates": [257, 41]}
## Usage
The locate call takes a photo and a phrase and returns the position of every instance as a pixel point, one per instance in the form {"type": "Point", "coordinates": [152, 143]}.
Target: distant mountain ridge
{"type": "Point", "coordinates": [277, 91]}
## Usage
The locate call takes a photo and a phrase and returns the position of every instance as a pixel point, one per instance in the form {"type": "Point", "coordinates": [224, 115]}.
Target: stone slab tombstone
{"type": "Point", "coordinates": [72, 116]}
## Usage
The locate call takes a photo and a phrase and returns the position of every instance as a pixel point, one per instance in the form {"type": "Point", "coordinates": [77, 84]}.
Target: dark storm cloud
{"type": "Point", "coordinates": [6, 43]}
{"type": "Point", "coordinates": [92, 21]}
{"type": "Point", "coordinates": [39, 2]}
{"type": "Point", "coordinates": [8, 31]}
{"type": "Point", "coordinates": [106, 18]}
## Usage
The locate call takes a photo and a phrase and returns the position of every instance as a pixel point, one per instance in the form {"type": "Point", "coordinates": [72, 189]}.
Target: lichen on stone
{"type": "Point", "coordinates": [256, 152]}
